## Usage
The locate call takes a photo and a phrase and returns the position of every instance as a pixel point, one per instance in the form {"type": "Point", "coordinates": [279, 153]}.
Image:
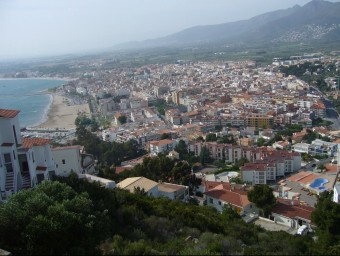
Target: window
{"type": "Point", "coordinates": [211, 201]}
{"type": "Point", "coordinates": [63, 161]}
{"type": "Point", "coordinates": [219, 203]}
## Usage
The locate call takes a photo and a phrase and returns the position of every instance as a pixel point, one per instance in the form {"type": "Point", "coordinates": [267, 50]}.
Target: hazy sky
{"type": "Point", "coordinates": [50, 27]}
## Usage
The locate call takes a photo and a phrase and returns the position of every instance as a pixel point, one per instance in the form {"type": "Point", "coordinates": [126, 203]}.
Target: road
{"type": "Point", "coordinates": [332, 114]}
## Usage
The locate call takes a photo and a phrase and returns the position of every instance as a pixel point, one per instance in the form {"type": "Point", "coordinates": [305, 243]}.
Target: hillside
{"type": "Point", "coordinates": [317, 20]}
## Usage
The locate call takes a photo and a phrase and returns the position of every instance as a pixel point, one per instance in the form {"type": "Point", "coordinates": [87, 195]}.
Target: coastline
{"type": "Point", "coordinates": [60, 114]}
{"type": "Point", "coordinates": [66, 79]}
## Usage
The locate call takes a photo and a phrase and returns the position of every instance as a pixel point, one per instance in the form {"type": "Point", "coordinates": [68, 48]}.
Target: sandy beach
{"type": "Point", "coordinates": [62, 115]}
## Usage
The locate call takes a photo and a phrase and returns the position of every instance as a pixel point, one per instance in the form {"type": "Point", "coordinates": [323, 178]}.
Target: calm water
{"type": "Point", "coordinates": [25, 95]}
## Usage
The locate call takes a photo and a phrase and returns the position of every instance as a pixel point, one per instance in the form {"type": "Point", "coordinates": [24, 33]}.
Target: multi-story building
{"type": "Point", "coordinates": [24, 162]}
{"type": "Point", "coordinates": [260, 121]}
{"type": "Point", "coordinates": [162, 146]}
{"type": "Point", "coordinates": [276, 164]}
{"type": "Point", "coordinates": [323, 147]}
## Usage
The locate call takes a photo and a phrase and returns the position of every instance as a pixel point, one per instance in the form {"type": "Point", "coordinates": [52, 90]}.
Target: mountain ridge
{"type": "Point", "coordinates": [317, 16]}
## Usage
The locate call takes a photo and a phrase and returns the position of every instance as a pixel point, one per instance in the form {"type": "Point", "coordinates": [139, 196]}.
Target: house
{"type": "Point", "coordinates": [73, 158]}
{"type": "Point", "coordinates": [161, 146]}
{"type": "Point", "coordinates": [292, 213]}
{"type": "Point", "coordinates": [281, 145]}
{"type": "Point", "coordinates": [148, 186]}
{"type": "Point", "coordinates": [301, 147]}
{"type": "Point", "coordinates": [173, 191]}
{"type": "Point", "coordinates": [323, 147]}
{"type": "Point", "coordinates": [229, 194]}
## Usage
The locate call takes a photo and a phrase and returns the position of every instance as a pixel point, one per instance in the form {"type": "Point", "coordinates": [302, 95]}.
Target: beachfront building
{"type": "Point", "coordinates": [24, 162]}
{"type": "Point", "coordinates": [73, 158]}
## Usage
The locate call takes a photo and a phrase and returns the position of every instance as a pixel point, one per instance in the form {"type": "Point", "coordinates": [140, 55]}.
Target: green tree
{"type": "Point", "coordinates": [182, 149]}
{"type": "Point", "coordinates": [260, 142]}
{"type": "Point", "coordinates": [205, 155]}
{"type": "Point", "coordinates": [211, 137]}
{"type": "Point", "coordinates": [122, 119]}
{"type": "Point", "coordinates": [165, 136]}
{"type": "Point", "coordinates": [51, 219]}
{"type": "Point", "coordinates": [327, 219]}
{"type": "Point", "coordinates": [262, 196]}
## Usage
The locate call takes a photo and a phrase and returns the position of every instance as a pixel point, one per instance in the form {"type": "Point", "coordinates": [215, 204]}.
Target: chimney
{"type": "Point", "coordinates": [232, 186]}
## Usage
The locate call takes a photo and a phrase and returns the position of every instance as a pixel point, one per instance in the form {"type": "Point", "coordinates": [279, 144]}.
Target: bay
{"type": "Point", "coordinates": [29, 96]}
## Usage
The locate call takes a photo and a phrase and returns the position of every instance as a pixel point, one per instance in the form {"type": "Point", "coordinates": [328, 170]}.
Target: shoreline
{"type": "Point", "coordinates": [60, 114]}
{"type": "Point", "coordinates": [66, 79]}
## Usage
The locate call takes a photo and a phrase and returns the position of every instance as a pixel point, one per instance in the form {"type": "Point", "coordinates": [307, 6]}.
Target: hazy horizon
{"type": "Point", "coordinates": [37, 28]}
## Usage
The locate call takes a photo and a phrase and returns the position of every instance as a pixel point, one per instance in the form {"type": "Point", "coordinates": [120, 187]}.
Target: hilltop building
{"type": "Point", "coordinates": [24, 162]}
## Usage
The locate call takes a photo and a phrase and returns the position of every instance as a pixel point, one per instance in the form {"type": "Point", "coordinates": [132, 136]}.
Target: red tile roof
{"type": "Point", "coordinates": [331, 168]}
{"type": "Point", "coordinates": [8, 113]}
{"type": "Point", "coordinates": [286, 208]}
{"type": "Point", "coordinates": [234, 197]}
{"type": "Point", "coordinates": [30, 142]}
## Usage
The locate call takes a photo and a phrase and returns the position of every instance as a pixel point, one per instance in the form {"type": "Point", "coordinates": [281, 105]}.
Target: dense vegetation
{"type": "Point", "coordinates": [73, 216]}
{"type": "Point", "coordinates": [107, 153]}
{"type": "Point", "coordinates": [327, 218]}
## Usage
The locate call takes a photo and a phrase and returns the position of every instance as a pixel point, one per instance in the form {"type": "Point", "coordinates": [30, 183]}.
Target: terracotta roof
{"type": "Point", "coordinates": [209, 185]}
{"type": "Point", "coordinates": [292, 209]}
{"type": "Point", "coordinates": [30, 142]}
{"type": "Point", "coordinates": [234, 197]}
{"type": "Point", "coordinates": [161, 142]}
{"type": "Point", "coordinates": [331, 168]}
{"type": "Point", "coordinates": [8, 113]}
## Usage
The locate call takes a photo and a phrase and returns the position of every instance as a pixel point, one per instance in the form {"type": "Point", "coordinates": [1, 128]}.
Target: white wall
{"type": "Point", "coordinates": [72, 160]}
{"type": "Point", "coordinates": [282, 220]}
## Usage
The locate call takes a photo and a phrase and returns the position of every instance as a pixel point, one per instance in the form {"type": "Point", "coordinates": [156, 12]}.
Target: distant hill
{"type": "Point", "coordinates": [317, 20]}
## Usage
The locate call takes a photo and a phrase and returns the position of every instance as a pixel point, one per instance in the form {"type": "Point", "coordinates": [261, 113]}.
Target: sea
{"type": "Point", "coordinates": [30, 97]}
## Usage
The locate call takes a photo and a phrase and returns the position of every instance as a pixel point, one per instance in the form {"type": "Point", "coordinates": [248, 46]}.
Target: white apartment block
{"type": "Point", "coordinates": [24, 162]}
{"type": "Point", "coordinates": [162, 146]}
